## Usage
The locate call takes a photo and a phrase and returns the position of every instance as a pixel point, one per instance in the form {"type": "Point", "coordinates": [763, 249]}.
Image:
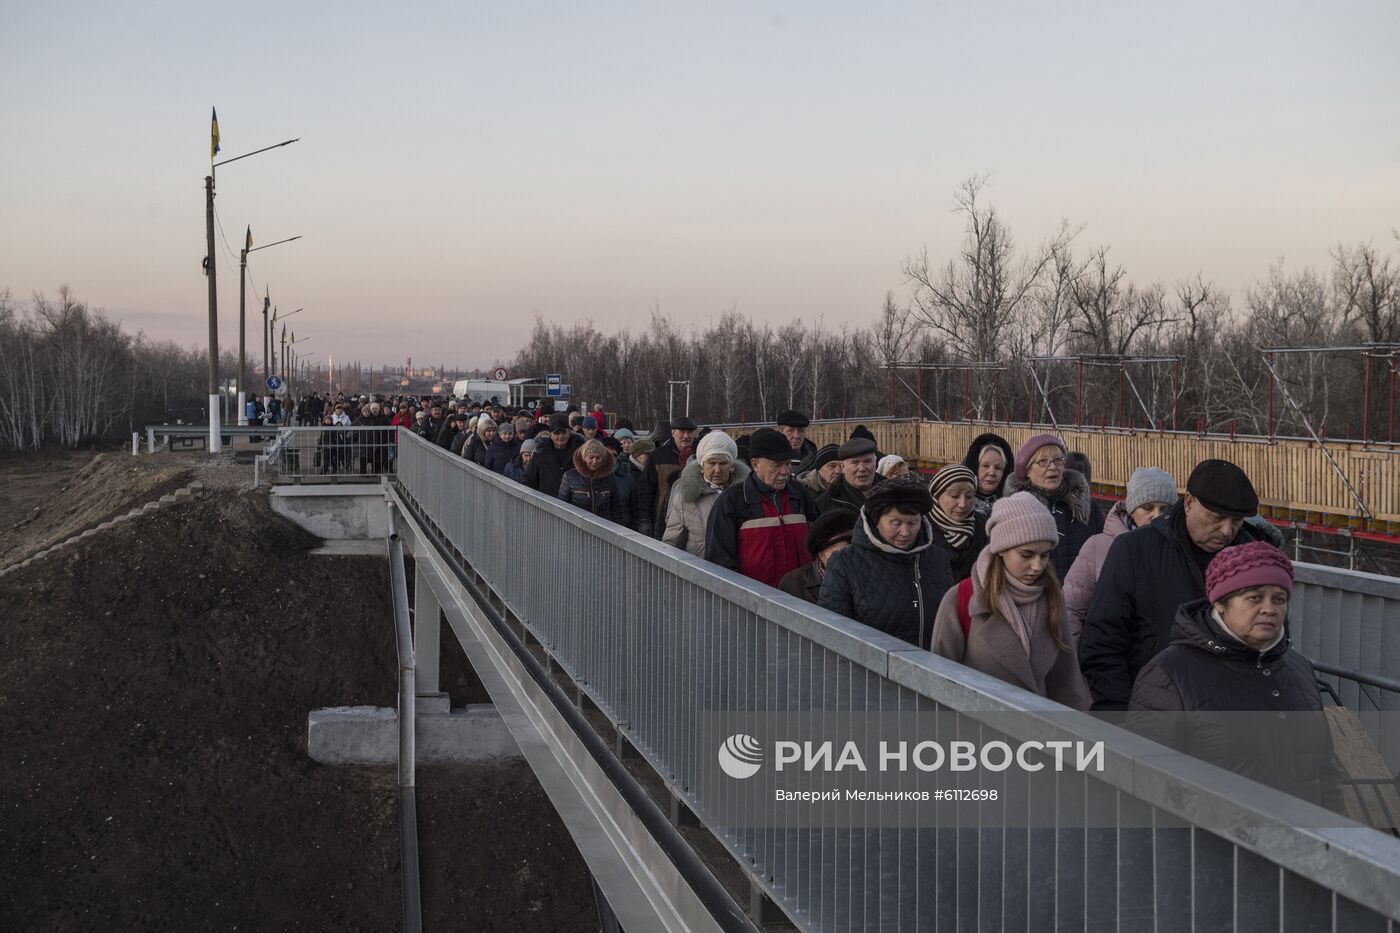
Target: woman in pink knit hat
{"type": "Point", "coordinates": [1042, 469]}
{"type": "Point", "coordinates": [1007, 619]}
{"type": "Point", "coordinates": [1230, 653]}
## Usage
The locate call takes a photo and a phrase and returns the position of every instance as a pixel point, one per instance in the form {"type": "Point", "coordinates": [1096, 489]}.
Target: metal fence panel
{"type": "Point", "coordinates": [656, 637]}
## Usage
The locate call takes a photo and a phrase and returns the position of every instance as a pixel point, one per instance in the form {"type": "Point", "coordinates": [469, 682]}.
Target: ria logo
{"type": "Point", "coordinates": [741, 756]}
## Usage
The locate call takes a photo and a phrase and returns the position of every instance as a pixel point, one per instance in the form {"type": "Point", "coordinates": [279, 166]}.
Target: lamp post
{"type": "Point", "coordinates": [272, 326]}
{"type": "Point", "coordinates": [215, 436]}
{"type": "Point", "coordinates": [242, 327]}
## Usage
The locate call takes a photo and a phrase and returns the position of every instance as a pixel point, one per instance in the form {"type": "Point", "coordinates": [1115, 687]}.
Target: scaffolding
{"type": "Point", "coordinates": [1125, 379]}
{"type": "Point", "coordinates": [966, 368]}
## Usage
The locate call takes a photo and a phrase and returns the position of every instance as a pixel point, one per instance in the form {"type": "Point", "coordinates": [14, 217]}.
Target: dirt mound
{"type": "Point", "coordinates": [154, 685]}
{"type": "Point", "coordinates": [107, 486]}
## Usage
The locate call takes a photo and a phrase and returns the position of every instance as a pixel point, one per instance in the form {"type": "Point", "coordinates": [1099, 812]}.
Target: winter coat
{"type": "Point", "coordinates": [629, 478]}
{"type": "Point", "coordinates": [842, 495]}
{"type": "Point", "coordinates": [549, 464]}
{"type": "Point", "coordinates": [499, 455]}
{"type": "Point", "coordinates": [992, 647]}
{"type": "Point", "coordinates": [804, 582]}
{"type": "Point", "coordinates": [813, 481]}
{"type": "Point", "coordinates": [1079, 582]}
{"type": "Point", "coordinates": [689, 510]}
{"type": "Point", "coordinates": [515, 470]}
{"type": "Point", "coordinates": [759, 531]}
{"type": "Point", "coordinates": [808, 449]}
{"type": "Point", "coordinates": [595, 491]}
{"type": "Point", "coordinates": [964, 558]}
{"type": "Point", "coordinates": [881, 586]}
{"type": "Point", "coordinates": [1206, 669]}
{"type": "Point", "coordinates": [1147, 574]}
{"type": "Point", "coordinates": [1076, 514]}
{"type": "Point", "coordinates": [654, 488]}
{"type": "Point", "coordinates": [974, 450]}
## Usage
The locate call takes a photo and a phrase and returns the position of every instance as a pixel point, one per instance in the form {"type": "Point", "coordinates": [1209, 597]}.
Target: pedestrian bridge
{"type": "Point", "coordinates": [606, 651]}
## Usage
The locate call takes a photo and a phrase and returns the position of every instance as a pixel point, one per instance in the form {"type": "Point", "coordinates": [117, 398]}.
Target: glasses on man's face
{"type": "Point", "coordinates": [1052, 463]}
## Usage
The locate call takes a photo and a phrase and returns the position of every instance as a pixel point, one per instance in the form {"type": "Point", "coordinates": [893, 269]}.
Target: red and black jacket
{"type": "Point", "coordinates": [759, 531]}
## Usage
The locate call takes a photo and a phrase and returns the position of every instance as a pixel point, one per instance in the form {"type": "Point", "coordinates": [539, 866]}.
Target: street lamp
{"type": "Point", "coordinates": [242, 327]}
{"type": "Point", "coordinates": [210, 267]}
{"type": "Point", "coordinates": [268, 328]}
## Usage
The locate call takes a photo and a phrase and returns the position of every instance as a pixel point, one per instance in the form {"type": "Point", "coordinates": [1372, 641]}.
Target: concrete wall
{"type": "Point", "coordinates": [336, 513]}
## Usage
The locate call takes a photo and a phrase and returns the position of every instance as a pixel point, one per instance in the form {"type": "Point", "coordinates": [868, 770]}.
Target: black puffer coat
{"type": "Point", "coordinates": [974, 452]}
{"type": "Point", "coordinates": [1077, 515]}
{"type": "Point", "coordinates": [595, 491]}
{"type": "Point", "coordinates": [1285, 743]}
{"type": "Point", "coordinates": [962, 559]}
{"type": "Point", "coordinates": [499, 454]}
{"type": "Point", "coordinates": [549, 464]}
{"type": "Point", "coordinates": [1147, 575]}
{"type": "Point", "coordinates": [895, 591]}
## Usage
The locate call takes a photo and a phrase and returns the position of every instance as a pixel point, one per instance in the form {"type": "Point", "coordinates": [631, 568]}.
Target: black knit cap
{"type": "Point", "coordinates": [768, 444]}
{"type": "Point", "coordinates": [907, 493]}
{"type": "Point", "coordinates": [1223, 488]}
{"type": "Point", "coordinates": [829, 527]}
{"type": "Point", "coordinates": [818, 458]}
{"type": "Point", "coordinates": [793, 419]}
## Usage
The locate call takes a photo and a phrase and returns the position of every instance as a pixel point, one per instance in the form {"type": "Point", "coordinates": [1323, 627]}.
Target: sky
{"type": "Point", "coordinates": [464, 167]}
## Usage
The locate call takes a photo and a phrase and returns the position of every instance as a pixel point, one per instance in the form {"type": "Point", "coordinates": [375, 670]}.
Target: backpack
{"type": "Point", "coordinates": [964, 601]}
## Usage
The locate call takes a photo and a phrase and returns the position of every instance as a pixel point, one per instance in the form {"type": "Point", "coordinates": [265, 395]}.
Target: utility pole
{"type": "Point", "coordinates": [267, 303]}
{"type": "Point", "coordinates": [242, 356]}
{"type": "Point", "coordinates": [215, 396]}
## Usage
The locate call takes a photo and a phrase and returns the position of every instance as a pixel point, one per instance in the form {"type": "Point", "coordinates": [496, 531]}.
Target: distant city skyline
{"type": "Point", "coordinates": [463, 168]}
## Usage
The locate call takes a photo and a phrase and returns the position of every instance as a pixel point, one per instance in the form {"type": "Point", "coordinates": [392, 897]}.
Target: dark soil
{"type": "Point", "coordinates": [154, 686]}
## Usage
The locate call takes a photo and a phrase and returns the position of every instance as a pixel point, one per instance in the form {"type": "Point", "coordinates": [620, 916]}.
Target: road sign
{"type": "Point", "coordinates": [566, 391]}
{"type": "Point", "coordinates": [274, 384]}
{"type": "Point", "coordinates": [499, 374]}
{"type": "Point", "coordinates": [553, 383]}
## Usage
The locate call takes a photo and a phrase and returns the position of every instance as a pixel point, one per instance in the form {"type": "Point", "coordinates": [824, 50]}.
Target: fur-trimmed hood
{"type": "Point", "coordinates": [609, 462]}
{"type": "Point", "coordinates": [692, 483]}
{"type": "Point", "coordinates": [1073, 491]}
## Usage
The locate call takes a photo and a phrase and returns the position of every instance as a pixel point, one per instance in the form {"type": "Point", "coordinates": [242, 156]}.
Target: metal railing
{"type": "Point", "coordinates": [657, 638]}
{"type": "Point", "coordinates": [330, 454]}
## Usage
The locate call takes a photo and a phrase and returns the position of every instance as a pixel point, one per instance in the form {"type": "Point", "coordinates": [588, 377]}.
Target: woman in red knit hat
{"type": "Point", "coordinates": [1230, 653]}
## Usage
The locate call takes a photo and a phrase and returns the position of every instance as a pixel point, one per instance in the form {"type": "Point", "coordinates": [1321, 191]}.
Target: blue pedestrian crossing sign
{"type": "Point", "coordinates": [274, 384]}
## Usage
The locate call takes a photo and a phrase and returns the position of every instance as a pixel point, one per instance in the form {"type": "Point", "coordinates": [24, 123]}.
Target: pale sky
{"type": "Point", "coordinates": [464, 166]}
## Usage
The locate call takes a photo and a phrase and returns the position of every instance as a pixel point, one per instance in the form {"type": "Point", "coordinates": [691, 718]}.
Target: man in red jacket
{"type": "Point", "coordinates": [759, 527]}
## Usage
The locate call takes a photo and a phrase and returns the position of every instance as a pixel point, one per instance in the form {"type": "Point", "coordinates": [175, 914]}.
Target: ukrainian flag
{"type": "Point", "coordinates": [214, 135]}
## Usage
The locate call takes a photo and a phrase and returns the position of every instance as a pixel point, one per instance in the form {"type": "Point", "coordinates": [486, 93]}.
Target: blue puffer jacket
{"type": "Point", "coordinates": [879, 585]}
{"type": "Point", "coordinates": [500, 454]}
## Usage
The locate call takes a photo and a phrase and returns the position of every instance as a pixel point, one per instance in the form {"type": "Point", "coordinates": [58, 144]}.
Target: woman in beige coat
{"type": "Point", "coordinates": [1008, 618]}
{"type": "Point", "coordinates": [715, 466]}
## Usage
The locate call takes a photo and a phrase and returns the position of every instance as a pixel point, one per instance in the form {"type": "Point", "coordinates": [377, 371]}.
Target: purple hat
{"type": "Point", "coordinates": [1019, 520]}
{"type": "Point", "coordinates": [1028, 449]}
{"type": "Point", "coordinates": [1254, 564]}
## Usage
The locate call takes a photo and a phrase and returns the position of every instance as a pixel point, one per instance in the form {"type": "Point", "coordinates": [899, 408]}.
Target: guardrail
{"type": "Point", "coordinates": [682, 637]}
{"type": "Point", "coordinates": [330, 454]}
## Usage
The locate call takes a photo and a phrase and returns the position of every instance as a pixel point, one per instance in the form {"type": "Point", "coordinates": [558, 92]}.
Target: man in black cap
{"type": "Point", "coordinates": [793, 426]}
{"type": "Point", "coordinates": [857, 479]}
{"type": "Point", "coordinates": [759, 527]}
{"type": "Point", "coordinates": [552, 460]}
{"type": "Point", "coordinates": [1152, 571]}
{"type": "Point", "coordinates": [664, 465]}
{"type": "Point", "coordinates": [820, 470]}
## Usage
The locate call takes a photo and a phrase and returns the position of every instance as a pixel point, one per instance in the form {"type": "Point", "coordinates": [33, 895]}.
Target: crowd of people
{"type": "Point", "coordinates": [1003, 562]}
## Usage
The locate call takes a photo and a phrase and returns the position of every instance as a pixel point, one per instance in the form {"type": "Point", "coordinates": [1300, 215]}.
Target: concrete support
{"type": "Point", "coordinates": [427, 626]}
{"type": "Point", "coordinates": [369, 735]}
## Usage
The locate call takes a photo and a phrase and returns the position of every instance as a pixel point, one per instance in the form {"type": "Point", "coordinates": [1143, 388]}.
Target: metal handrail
{"type": "Point", "coordinates": [408, 802]}
{"type": "Point", "coordinates": [470, 507]}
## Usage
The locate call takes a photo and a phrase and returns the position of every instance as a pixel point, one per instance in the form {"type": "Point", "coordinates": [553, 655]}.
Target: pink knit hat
{"type": "Point", "coordinates": [1028, 449]}
{"type": "Point", "coordinates": [1018, 520]}
{"type": "Point", "coordinates": [1254, 564]}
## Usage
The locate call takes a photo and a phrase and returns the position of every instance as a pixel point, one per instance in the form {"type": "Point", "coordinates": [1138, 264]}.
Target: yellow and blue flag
{"type": "Point", "coordinates": [214, 135]}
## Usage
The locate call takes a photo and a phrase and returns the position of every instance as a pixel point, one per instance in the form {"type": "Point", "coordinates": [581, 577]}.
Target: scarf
{"type": "Point", "coordinates": [956, 533]}
{"type": "Point", "coordinates": [1021, 605]}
